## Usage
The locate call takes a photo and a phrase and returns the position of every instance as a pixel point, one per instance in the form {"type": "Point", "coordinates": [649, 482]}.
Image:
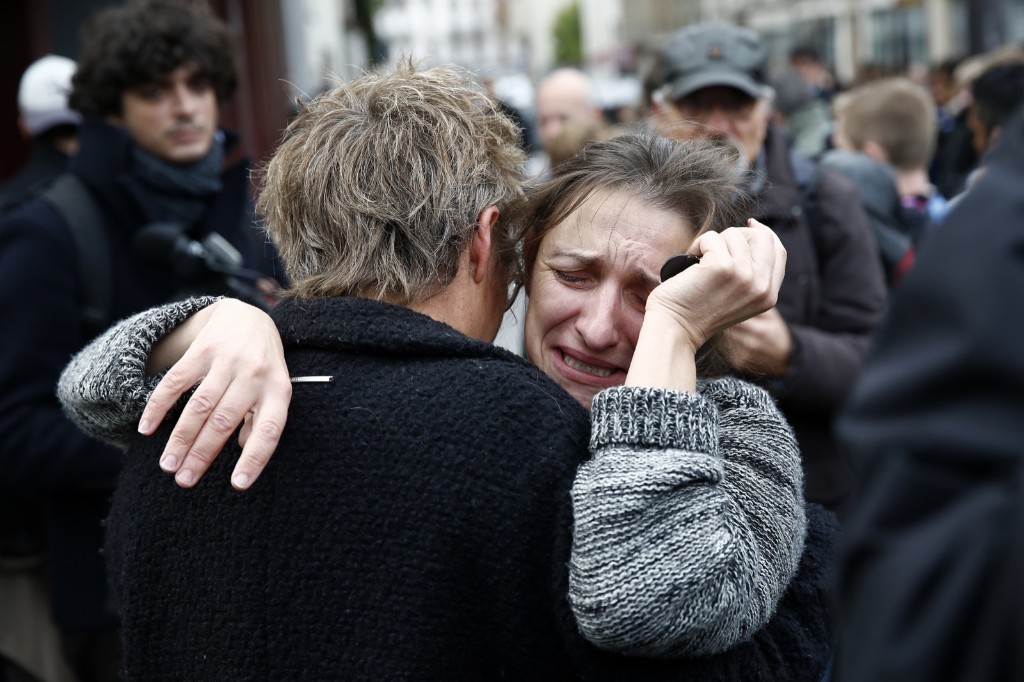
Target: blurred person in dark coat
{"type": "Point", "coordinates": [45, 118]}
{"type": "Point", "coordinates": [931, 587]}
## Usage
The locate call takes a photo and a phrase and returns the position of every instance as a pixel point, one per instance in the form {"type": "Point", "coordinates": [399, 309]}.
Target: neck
{"type": "Point", "coordinates": [458, 306]}
{"type": "Point", "coordinates": [912, 182]}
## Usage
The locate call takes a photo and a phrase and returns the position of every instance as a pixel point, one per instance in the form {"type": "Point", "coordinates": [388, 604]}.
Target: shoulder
{"type": "Point", "coordinates": [37, 227]}
{"type": "Point", "coordinates": [834, 187]}
{"type": "Point", "coordinates": [506, 394]}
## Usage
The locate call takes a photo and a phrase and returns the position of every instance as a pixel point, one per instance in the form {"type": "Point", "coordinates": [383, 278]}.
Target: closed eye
{"type": "Point", "coordinates": [568, 277]}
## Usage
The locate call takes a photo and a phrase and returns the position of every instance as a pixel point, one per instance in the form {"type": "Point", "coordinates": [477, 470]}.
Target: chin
{"type": "Point", "coordinates": [189, 157]}
{"type": "Point", "coordinates": [583, 396]}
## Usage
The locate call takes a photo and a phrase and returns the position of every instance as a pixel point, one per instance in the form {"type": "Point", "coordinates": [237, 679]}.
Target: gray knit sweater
{"type": "Point", "coordinates": [689, 518]}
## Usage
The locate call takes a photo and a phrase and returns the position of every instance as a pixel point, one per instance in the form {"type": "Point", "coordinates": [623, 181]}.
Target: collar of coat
{"type": "Point", "coordinates": [349, 323]}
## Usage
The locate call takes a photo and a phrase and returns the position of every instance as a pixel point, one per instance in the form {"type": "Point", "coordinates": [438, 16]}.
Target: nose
{"type": "Point", "coordinates": [550, 130]}
{"type": "Point", "coordinates": [599, 323]}
{"type": "Point", "coordinates": [184, 101]}
{"type": "Point", "coordinates": [718, 121]}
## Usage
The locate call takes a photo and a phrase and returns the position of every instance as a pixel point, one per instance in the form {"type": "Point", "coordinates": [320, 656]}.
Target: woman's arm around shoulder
{"type": "Point", "coordinates": [104, 388]}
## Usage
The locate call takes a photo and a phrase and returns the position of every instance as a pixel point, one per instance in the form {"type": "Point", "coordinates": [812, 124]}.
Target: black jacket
{"type": "Point", "coordinates": [832, 298]}
{"type": "Point", "coordinates": [45, 459]}
{"type": "Point", "coordinates": [45, 162]}
{"type": "Point", "coordinates": [933, 573]}
{"type": "Point", "coordinates": [415, 523]}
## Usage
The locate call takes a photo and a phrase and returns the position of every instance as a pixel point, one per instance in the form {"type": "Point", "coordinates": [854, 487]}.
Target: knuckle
{"type": "Point", "coordinates": [179, 440]}
{"type": "Point", "coordinates": [200, 404]}
{"type": "Point", "coordinates": [174, 381]}
{"type": "Point", "coordinates": [269, 429]}
{"type": "Point", "coordinates": [202, 456]}
{"type": "Point", "coordinates": [222, 421]}
{"type": "Point", "coordinates": [259, 460]}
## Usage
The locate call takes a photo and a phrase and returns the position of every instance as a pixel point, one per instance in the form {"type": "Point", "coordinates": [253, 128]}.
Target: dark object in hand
{"type": "Point", "coordinates": [676, 264]}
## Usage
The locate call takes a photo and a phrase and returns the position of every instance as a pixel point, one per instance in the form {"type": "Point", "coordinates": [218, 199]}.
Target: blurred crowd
{"type": "Point", "coordinates": [890, 352]}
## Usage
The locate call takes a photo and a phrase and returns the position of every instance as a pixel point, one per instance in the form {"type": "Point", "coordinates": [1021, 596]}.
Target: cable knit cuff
{"type": "Point", "coordinates": [660, 418]}
{"type": "Point", "coordinates": [104, 388]}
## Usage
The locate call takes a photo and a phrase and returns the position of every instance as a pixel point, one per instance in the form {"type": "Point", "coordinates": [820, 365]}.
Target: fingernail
{"type": "Point", "coordinates": [168, 462]}
{"type": "Point", "coordinates": [241, 481]}
{"type": "Point", "coordinates": [185, 477]}
{"type": "Point", "coordinates": [144, 426]}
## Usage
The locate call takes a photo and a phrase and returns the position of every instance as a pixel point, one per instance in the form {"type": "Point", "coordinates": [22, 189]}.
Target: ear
{"type": "Point", "coordinates": [480, 245]}
{"type": "Point", "coordinates": [875, 151]}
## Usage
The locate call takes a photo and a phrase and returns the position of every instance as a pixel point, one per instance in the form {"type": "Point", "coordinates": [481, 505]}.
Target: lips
{"type": "Point", "coordinates": [186, 135]}
{"type": "Point", "coordinates": [587, 371]}
{"type": "Point", "coordinates": [584, 367]}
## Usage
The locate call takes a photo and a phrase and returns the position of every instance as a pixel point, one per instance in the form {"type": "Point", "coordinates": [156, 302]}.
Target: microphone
{"type": "Point", "coordinates": [191, 260]}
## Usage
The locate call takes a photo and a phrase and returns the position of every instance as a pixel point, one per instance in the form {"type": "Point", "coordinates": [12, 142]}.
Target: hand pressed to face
{"type": "Point", "coordinates": [174, 119]}
{"type": "Point", "coordinates": [589, 287]}
{"type": "Point", "coordinates": [739, 276]}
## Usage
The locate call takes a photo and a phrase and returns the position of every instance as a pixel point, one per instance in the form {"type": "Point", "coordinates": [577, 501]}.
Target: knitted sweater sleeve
{"type": "Point", "coordinates": [104, 388]}
{"type": "Point", "coordinates": [689, 519]}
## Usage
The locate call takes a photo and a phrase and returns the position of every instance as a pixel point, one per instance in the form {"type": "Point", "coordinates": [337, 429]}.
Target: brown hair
{"type": "Point", "coordinates": [376, 189]}
{"type": "Point", "coordinates": [895, 113]}
{"type": "Point", "coordinates": [140, 43]}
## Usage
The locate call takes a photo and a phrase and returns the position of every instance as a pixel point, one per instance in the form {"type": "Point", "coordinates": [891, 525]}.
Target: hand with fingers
{"type": "Point", "coordinates": [761, 345]}
{"type": "Point", "coordinates": [738, 276]}
{"type": "Point", "coordinates": [233, 352]}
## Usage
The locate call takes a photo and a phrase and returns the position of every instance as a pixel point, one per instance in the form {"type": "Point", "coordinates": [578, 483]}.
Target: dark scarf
{"type": "Point", "coordinates": [180, 192]}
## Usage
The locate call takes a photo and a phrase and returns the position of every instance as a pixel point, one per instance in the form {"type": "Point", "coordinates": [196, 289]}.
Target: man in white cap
{"type": "Point", "coordinates": [44, 118]}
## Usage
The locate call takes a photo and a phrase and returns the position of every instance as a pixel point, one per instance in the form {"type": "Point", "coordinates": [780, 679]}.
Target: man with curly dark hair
{"type": "Point", "coordinates": [152, 77]}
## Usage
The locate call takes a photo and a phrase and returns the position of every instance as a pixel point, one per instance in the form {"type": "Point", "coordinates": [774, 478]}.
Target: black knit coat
{"type": "Point", "coordinates": [415, 523]}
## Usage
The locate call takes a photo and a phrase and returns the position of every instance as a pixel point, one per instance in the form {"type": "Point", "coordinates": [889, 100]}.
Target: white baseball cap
{"type": "Point", "coordinates": [43, 94]}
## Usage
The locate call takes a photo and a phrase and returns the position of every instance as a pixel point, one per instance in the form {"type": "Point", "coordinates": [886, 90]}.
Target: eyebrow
{"type": "Point", "coordinates": [588, 261]}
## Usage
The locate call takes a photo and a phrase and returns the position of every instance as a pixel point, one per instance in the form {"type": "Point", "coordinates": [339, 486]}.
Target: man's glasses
{"type": "Point", "coordinates": [702, 104]}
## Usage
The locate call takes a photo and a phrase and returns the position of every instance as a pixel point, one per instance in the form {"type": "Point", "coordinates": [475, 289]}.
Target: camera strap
{"type": "Point", "coordinates": [77, 207]}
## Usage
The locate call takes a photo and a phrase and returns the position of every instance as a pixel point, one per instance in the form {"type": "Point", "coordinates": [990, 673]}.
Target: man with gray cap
{"type": "Point", "coordinates": [45, 118]}
{"type": "Point", "coordinates": [809, 350]}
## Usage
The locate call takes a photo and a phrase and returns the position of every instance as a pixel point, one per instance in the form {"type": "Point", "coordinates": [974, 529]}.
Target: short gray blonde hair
{"type": "Point", "coordinates": [376, 187]}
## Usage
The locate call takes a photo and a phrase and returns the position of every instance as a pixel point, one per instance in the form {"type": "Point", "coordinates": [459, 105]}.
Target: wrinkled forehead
{"type": "Point", "coordinates": [619, 225]}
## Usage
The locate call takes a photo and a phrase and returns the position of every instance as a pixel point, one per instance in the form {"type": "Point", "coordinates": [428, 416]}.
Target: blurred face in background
{"type": "Point", "coordinates": [588, 289]}
{"type": "Point", "coordinates": [943, 87]}
{"type": "Point", "coordinates": [717, 111]}
{"type": "Point", "coordinates": [175, 118]}
{"type": "Point", "coordinates": [564, 97]}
